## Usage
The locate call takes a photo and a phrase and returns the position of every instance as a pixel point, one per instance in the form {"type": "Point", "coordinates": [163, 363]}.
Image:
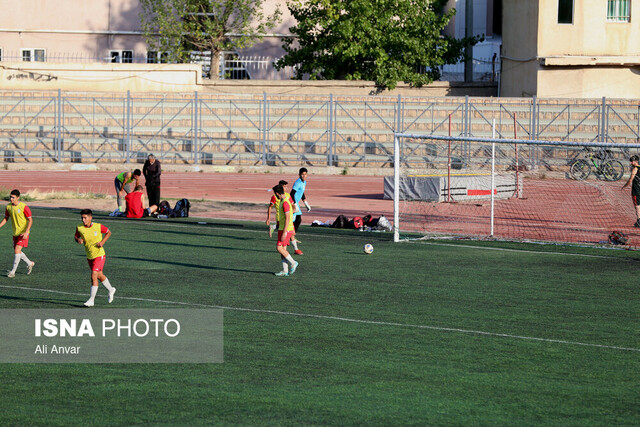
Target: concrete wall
{"type": "Point", "coordinates": [590, 34]}
{"type": "Point", "coordinates": [359, 88]}
{"type": "Point", "coordinates": [187, 78]}
{"type": "Point", "coordinates": [89, 28]}
{"type": "Point", "coordinates": [589, 82]}
{"type": "Point", "coordinates": [588, 58]}
{"type": "Point", "coordinates": [100, 77]}
{"type": "Point", "coordinates": [519, 48]}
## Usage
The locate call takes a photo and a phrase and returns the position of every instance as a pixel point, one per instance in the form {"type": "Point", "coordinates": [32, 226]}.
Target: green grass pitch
{"type": "Point", "coordinates": [451, 333]}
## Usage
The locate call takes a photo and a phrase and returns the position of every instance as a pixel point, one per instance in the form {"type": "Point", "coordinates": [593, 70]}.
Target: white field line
{"type": "Point", "coordinates": [207, 220]}
{"type": "Point", "coordinates": [347, 319]}
{"type": "Point", "coordinates": [511, 250]}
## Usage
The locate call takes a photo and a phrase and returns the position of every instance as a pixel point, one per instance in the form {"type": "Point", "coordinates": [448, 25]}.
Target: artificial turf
{"type": "Point", "coordinates": [415, 333]}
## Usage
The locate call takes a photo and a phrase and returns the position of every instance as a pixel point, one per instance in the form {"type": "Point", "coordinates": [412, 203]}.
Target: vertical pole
{"type": "Point", "coordinates": [264, 129]}
{"type": "Point", "coordinates": [493, 172]}
{"type": "Point", "coordinates": [58, 133]}
{"type": "Point", "coordinates": [603, 120]}
{"type": "Point", "coordinates": [127, 147]}
{"type": "Point", "coordinates": [195, 126]}
{"type": "Point", "coordinates": [396, 189]}
{"type": "Point", "coordinates": [468, 32]}
{"type": "Point", "coordinates": [515, 136]}
{"type": "Point", "coordinates": [534, 131]}
{"type": "Point", "coordinates": [449, 165]}
{"type": "Point", "coordinates": [331, 150]}
{"type": "Point", "coordinates": [399, 118]}
{"type": "Point", "coordinates": [466, 130]}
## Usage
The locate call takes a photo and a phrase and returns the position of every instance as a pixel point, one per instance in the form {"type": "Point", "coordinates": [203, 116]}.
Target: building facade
{"type": "Point", "coordinates": [109, 31]}
{"type": "Point", "coordinates": [571, 48]}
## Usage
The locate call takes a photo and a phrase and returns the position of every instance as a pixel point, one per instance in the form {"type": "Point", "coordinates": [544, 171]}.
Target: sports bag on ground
{"type": "Point", "coordinates": [618, 238]}
{"type": "Point", "coordinates": [181, 209]}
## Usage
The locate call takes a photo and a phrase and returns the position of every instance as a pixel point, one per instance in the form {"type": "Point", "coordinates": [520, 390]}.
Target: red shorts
{"type": "Point", "coordinates": [97, 264]}
{"type": "Point", "coordinates": [287, 237]}
{"type": "Point", "coordinates": [21, 240]}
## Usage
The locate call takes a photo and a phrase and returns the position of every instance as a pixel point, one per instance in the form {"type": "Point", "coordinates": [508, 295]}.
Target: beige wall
{"type": "Point", "coordinates": [100, 77]}
{"type": "Point", "coordinates": [160, 78]}
{"type": "Point", "coordinates": [86, 28]}
{"type": "Point", "coordinates": [519, 48]}
{"type": "Point", "coordinates": [588, 58]}
{"type": "Point", "coordinates": [589, 82]}
{"type": "Point", "coordinates": [590, 33]}
{"type": "Point", "coordinates": [355, 88]}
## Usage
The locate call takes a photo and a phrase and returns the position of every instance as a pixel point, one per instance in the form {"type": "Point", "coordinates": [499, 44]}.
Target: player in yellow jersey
{"type": "Point", "coordinates": [285, 231]}
{"type": "Point", "coordinates": [20, 216]}
{"type": "Point", "coordinates": [274, 204]}
{"type": "Point", "coordinates": [93, 236]}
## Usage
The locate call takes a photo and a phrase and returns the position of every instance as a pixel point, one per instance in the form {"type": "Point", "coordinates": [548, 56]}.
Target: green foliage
{"type": "Point", "coordinates": [179, 27]}
{"type": "Point", "coordinates": [385, 41]}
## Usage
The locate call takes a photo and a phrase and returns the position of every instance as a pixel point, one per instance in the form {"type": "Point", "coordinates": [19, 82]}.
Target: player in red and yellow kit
{"type": "Point", "coordinates": [91, 234]}
{"type": "Point", "coordinates": [274, 204]}
{"type": "Point", "coordinates": [285, 231]}
{"type": "Point", "coordinates": [20, 216]}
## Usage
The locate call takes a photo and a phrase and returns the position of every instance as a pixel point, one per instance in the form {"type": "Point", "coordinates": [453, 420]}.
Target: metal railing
{"type": "Point", "coordinates": [234, 67]}
{"type": "Point", "coordinates": [282, 130]}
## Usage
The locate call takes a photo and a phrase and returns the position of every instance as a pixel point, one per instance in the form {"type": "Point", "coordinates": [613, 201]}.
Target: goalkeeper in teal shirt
{"type": "Point", "coordinates": [297, 194]}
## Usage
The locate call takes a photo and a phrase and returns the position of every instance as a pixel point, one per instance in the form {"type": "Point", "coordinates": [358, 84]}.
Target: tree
{"type": "Point", "coordinates": [177, 28]}
{"type": "Point", "coordinates": [385, 41]}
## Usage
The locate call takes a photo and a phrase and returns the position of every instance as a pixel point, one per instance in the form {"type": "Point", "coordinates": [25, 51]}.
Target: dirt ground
{"type": "Point", "coordinates": [215, 195]}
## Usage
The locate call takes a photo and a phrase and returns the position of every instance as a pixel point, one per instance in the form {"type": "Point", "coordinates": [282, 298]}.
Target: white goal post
{"type": "Point", "coordinates": [511, 189]}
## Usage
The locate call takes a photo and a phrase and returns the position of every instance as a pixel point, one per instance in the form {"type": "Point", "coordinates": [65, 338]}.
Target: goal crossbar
{"type": "Point", "coordinates": [559, 164]}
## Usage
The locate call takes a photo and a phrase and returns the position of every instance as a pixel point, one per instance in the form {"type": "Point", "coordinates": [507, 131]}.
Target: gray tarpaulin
{"type": "Point", "coordinates": [463, 187]}
{"type": "Point", "coordinates": [414, 188]}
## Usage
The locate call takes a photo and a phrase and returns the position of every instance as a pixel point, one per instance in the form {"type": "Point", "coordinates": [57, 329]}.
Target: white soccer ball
{"type": "Point", "coordinates": [368, 248]}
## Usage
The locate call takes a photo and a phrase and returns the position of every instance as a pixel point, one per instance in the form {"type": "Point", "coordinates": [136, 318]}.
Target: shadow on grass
{"type": "Point", "coordinates": [200, 235]}
{"type": "Point", "coordinates": [184, 264]}
{"type": "Point", "coordinates": [44, 300]}
{"type": "Point", "coordinates": [204, 246]}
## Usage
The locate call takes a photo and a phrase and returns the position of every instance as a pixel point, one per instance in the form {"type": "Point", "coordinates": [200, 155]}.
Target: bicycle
{"type": "Point", "coordinates": [600, 162]}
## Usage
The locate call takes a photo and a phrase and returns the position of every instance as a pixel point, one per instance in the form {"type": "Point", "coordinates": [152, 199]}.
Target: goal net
{"type": "Point", "coordinates": [549, 191]}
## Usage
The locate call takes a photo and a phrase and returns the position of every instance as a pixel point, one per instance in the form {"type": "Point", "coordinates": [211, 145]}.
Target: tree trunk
{"type": "Point", "coordinates": [215, 64]}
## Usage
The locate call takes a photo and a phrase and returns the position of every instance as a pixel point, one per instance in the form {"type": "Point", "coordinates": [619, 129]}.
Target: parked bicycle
{"type": "Point", "coordinates": [600, 162]}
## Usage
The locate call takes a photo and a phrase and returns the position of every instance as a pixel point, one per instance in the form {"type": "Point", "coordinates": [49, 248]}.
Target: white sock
{"type": "Point", "coordinates": [285, 266]}
{"type": "Point", "coordinates": [106, 284]}
{"type": "Point", "coordinates": [94, 291]}
{"type": "Point", "coordinates": [16, 261]}
{"type": "Point", "coordinates": [290, 259]}
{"type": "Point", "coordinates": [294, 243]}
{"type": "Point", "coordinates": [24, 258]}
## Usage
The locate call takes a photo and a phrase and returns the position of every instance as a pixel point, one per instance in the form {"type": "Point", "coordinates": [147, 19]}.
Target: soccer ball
{"type": "Point", "coordinates": [368, 248]}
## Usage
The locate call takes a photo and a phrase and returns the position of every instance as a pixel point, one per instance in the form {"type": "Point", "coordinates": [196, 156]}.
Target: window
{"type": "Point", "coordinates": [29, 55]}
{"type": "Point", "coordinates": [618, 10]}
{"type": "Point", "coordinates": [565, 11]}
{"type": "Point", "coordinates": [123, 56]}
{"type": "Point", "coordinates": [154, 57]}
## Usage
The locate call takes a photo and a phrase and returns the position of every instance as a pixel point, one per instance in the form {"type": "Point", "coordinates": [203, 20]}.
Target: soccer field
{"type": "Point", "coordinates": [427, 332]}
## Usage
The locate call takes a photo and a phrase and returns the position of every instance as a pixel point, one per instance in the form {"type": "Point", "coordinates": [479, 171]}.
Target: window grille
{"type": "Point", "coordinates": [618, 10]}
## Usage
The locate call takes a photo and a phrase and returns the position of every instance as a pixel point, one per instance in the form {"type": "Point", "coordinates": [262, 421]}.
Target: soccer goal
{"type": "Point", "coordinates": [511, 189]}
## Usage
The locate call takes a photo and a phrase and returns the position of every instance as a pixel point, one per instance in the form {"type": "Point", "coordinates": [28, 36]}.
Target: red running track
{"type": "Point", "coordinates": [553, 209]}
